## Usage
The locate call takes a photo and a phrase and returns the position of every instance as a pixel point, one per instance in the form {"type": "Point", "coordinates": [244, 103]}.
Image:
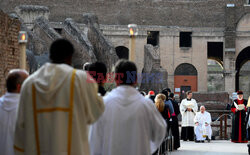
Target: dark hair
{"type": "Point", "coordinates": [165, 92]}
{"type": "Point", "coordinates": [171, 95]}
{"type": "Point", "coordinates": [167, 89]}
{"type": "Point", "coordinates": [100, 71]}
{"type": "Point", "coordinates": [188, 92]}
{"type": "Point", "coordinates": [125, 72]}
{"type": "Point", "coordinates": [13, 80]}
{"type": "Point", "coordinates": [60, 50]}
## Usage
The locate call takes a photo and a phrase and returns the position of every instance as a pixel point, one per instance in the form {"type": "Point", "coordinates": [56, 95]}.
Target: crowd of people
{"type": "Point", "coordinates": [60, 110]}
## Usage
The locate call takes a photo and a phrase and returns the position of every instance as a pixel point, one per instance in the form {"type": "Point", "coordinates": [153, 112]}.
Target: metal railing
{"type": "Point", "coordinates": [223, 116]}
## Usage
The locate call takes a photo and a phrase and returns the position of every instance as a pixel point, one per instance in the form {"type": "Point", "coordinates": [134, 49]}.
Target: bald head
{"type": "Point", "coordinates": [15, 80]}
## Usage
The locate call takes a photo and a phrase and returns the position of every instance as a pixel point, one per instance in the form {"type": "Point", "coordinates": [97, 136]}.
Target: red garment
{"type": "Point", "coordinates": [240, 102]}
{"type": "Point", "coordinates": [240, 134]}
{"type": "Point", "coordinates": [233, 110]}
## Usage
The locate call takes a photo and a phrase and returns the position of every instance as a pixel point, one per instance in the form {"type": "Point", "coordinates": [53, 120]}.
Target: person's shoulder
{"type": "Point", "coordinates": [207, 112]}
{"type": "Point", "coordinates": [184, 100]}
{"type": "Point", "coordinates": [146, 100]}
{"type": "Point", "coordinates": [84, 76]}
{"type": "Point", "coordinates": [146, 103]}
{"type": "Point", "coordinates": [80, 72]}
{"type": "Point", "coordinates": [110, 96]}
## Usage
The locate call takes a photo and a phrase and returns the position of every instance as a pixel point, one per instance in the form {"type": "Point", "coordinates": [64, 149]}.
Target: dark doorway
{"type": "Point", "coordinates": [215, 51]}
{"type": "Point", "coordinates": [122, 52]}
{"type": "Point", "coordinates": [185, 69]}
{"type": "Point", "coordinates": [185, 39]}
{"type": "Point", "coordinates": [184, 89]}
{"type": "Point", "coordinates": [185, 78]}
{"type": "Point", "coordinates": [58, 30]}
{"type": "Point", "coordinates": [242, 58]}
{"type": "Point", "coordinates": [153, 38]}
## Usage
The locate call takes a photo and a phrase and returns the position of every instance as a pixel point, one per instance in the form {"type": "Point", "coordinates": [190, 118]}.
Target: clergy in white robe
{"type": "Point", "coordinates": [129, 123]}
{"type": "Point", "coordinates": [8, 110]}
{"type": "Point", "coordinates": [57, 104]}
{"type": "Point", "coordinates": [202, 125]}
{"type": "Point", "coordinates": [188, 109]}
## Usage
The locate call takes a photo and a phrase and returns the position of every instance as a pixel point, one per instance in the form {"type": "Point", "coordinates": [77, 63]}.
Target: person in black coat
{"type": "Point", "coordinates": [98, 71]}
{"type": "Point", "coordinates": [175, 122]}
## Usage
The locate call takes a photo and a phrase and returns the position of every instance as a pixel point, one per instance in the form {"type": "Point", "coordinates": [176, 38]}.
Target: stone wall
{"type": "Point", "coordinates": [212, 101]}
{"type": "Point", "coordinates": [45, 32]}
{"type": "Point", "coordinates": [154, 77]}
{"type": "Point", "coordinates": [9, 48]}
{"type": "Point", "coordinates": [103, 49]}
{"type": "Point", "coordinates": [29, 13]}
{"type": "Point", "coordinates": [193, 13]}
{"type": "Point", "coordinates": [84, 51]}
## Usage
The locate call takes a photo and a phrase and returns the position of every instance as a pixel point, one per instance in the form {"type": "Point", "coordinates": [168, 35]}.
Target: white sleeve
{"type": "Point", "coordinates": [196, 119]}
{"type": "Point", "coordinates": [195, 108]}
{"type": "Point", "coordinates": [19, 146]}
{"type": "Point", "coordinates": [208, 120]}
{"type": "Point", "coordinates": [91, 100]}
{"type": "Point", "coordinates": [96, 138]}
{"type": "Point", "coordinates": [158, 127]}
{"type": "Point", "coordinates": [182, 108]}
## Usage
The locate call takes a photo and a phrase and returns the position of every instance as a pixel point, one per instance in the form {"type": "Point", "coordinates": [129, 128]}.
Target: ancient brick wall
{"type": "Point", "coordinates": [213, 101]}
{"type": "Point", "coordinates": [9, 51]}
{"type": "Point", "coordinates": [193, 13]}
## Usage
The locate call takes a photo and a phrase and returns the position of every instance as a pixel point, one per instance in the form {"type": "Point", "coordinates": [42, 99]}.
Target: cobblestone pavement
{"type": "Point", "coordinates": [217, 147]}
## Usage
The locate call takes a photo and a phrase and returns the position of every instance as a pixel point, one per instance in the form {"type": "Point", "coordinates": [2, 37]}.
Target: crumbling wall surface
{"type": "Point", "coordinates": [45, 31]}
{"type": "Point", "coordinates": [29, 13]}
{"type": "Point", "coordinates": [9, 48]}
{"type": "Point", "coordinates": [191, 13]}
{"type": "Point", "coordinates": [103, 49]}
{"type": "Point", "coordinates": [212, 101]}
{"type": "Point", "coordinates": [153, 76]}
{"type": "Point", "coordinates": [84, 51]}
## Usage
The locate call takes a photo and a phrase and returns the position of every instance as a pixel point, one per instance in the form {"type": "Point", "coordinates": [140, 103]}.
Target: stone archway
{"type": "Point", "coordinates": [185, 78]}
{"type": "Point", "coordinates": [243, 69]}
{"type": "Point", "coordinates": [122, 52]}
{"type": "Point", "coordinates": [215, 76]}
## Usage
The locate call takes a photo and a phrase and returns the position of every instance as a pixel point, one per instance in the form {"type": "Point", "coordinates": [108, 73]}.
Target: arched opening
{"type": "Point", "coordinates": [185, 78]}
{"type": "Point", "coordinates": [244, 79]}
{"type": "Point", "coordinates": [243, 71]}
{"type": "Point", "coordinates": [215, 76]}
{"type": "Point", "coordinates": [122, 52]}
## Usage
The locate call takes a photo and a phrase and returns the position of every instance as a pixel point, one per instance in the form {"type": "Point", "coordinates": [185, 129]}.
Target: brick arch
{"type": "Point", "coordinates": [185, 78]}
{"type": "Point", "coordinates": [185, 69]}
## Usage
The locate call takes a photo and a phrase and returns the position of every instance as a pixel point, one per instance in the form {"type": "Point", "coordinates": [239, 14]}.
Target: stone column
{"type": "Point", "coordinates": [229, 49]}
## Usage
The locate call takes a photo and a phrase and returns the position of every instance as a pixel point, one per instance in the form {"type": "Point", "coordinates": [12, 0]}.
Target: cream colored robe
{"type": "Point", "coordinates": [130, 122]}
{"type": "Point", "coordinates": [56, 105]}
{"type": "Point", "coordinates": [188, 116]}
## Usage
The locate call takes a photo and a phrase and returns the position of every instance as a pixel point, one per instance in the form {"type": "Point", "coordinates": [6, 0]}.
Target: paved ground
{"type": "Point", "coordinates": [218, 147]}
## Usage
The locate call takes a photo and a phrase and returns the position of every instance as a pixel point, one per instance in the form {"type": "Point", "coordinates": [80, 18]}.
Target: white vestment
{"type": "Point", "coordinates": [128, 125]}
{"type": "Point", "coordinates": [202, 130]}
{"type": "Point", "coordinates": [8, 114]}
{"type": "Point", "coordinates": [56, 105]}
{"type": "Point", "coordinates": [188, 116]}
